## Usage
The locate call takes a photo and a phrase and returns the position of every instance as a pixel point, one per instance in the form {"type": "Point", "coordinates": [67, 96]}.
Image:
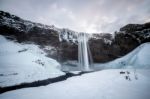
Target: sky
{"type": "Point", "coordinates": [91, 16]}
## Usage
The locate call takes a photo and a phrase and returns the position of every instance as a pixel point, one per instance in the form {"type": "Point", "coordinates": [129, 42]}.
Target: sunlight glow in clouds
{"type": "Point", "coordinates": [81, 15]}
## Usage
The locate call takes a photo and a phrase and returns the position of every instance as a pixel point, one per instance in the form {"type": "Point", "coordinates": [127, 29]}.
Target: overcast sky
{"type": "Point", "coordinates": [81, 15]}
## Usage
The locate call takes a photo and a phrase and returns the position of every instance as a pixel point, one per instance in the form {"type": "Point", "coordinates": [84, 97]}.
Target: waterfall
{"type": "Point", "coordinates": [84, 54]}
{"type": "Point", "coordinates": [85, 60]}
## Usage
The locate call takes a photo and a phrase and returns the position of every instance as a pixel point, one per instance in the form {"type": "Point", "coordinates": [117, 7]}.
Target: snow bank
{"type": "Point", "coordinates": [138, 58]}
{"type": "Point", "coordinates": [24, 63]}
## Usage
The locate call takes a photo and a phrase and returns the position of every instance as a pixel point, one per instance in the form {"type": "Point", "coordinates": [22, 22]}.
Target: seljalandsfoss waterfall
{"type": "Point", "coordinates": [85, 61]}
{"type": "Point", "coordinates": [84, 54]}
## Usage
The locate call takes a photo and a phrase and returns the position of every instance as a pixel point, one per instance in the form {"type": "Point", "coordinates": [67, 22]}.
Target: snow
{"type": "Point", "coordinates": [67, 35]}
{"type": "Point", "coordinates": [24, 63]}
{"type": "Point", "coordinates": [106, 84]}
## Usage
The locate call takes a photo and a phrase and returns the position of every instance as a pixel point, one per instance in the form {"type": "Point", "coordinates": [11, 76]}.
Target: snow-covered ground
{"type": "Point", "coordinates": [24, 63]}
{"type": "Point", "coordinates": [105, 84]}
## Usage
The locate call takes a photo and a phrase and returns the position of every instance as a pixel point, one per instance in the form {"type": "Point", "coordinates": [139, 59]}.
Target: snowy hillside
{"type": "Point", "coordinates": [21, 63]}
{"type": "Point", "coordinates": [106, 84]}
{"type": "Point", "coordinates": [137, 59]}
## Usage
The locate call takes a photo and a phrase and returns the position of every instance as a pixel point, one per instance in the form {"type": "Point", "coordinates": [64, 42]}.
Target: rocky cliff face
{"type": "Point", "coordinates": [61, 44]}
{"type": "Point", "coordinates": [140, 32]}
{"type": "Point", "coordinates": [24, 31]}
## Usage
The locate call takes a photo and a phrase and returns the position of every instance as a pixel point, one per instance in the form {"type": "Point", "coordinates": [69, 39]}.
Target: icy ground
{"type": "Point", "coordinates": [105, 84]}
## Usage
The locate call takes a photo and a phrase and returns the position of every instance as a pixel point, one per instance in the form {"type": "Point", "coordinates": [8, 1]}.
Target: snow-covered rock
{"type": "Point", "coordinates": [26, 26]}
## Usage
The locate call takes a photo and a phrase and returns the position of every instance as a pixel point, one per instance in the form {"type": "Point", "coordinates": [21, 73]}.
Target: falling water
{"type": "Point", "coordinates": [85, 61]}
{"type": "Point", "coordinates": [83, 52]}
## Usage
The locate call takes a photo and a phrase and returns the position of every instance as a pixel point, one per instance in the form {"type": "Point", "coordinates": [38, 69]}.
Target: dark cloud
{"type": "Point", "coordinates": [81, 15]}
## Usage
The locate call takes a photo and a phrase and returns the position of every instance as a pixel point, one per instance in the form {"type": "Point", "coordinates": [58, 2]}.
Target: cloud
{"type": "Point", "coordinates": [81, 15]}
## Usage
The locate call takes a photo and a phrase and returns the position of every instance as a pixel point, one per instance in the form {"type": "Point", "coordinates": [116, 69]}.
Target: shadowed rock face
{"type": "Point", "coordinates": [120, 45]}
{"type": "Point", "coordinates": [63, 42]}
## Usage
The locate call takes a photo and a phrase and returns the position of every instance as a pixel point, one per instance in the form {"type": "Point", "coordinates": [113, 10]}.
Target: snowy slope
{"type": "Point", "coordinates": [138, 58]}
{"type": "Point", "coordinates": [106, 84]}
{"type": "Point", "coordinates": [24, 63]}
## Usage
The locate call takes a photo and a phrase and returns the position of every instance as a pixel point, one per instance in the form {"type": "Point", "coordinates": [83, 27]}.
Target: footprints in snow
{"type": "Point", "coordinates": [127, 75]}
